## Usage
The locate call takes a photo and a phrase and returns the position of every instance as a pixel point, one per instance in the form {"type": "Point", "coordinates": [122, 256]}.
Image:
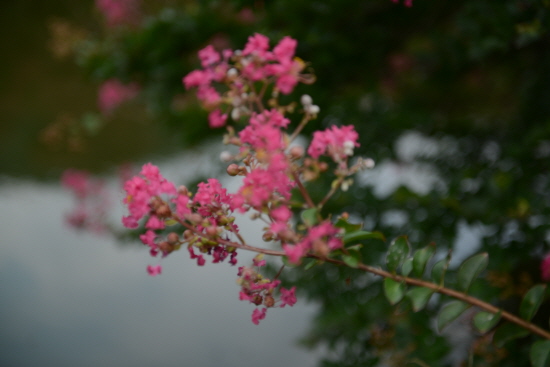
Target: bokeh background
{"type": "Point", "coordinates": [450, 99]}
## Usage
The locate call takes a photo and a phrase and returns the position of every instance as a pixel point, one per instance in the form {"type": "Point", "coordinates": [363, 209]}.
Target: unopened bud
{"type": "Point", "coordinates": [231, 73]}
{"type": "Point", "coordinates": [320, 248]}
{"type": "Point", "coordinates": [313, 109]}
{"type": "Point", "coordinates": [233, 169]}
{"type": "Point", "coordinates": [296, 152]}
{"type": "Point", "coordinates": [165, 247]}
{"type": "Point", "coordinates": [225, 156]}
{"type": "Point", "coordinates": [182, 190]}
{"type": "Point", "coordinates": [306, 100]}
{"type": "Point", "coordinates": [212, 231]}
{"type": "Point", "coordinates": [163, 211]}
{"type": "Point", "coordinates": [188, 234]}
{"type": "Point", "coordinates": [173, 238]}
{"type": "Point", "coordinates": [268, 236]}
{"type": "Point", "coordinates": [257, 300]}
{"type": "Point", "coordinates": [269, 301]}
{"type": "Point", "coordinates": [193, 218]}
{"type": "Point", "coordinates": [323, 166]}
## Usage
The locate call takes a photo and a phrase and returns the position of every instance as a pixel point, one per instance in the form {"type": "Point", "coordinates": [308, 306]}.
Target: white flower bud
{"type": "Point", "coordinates": [348, 148]}
{"type": "Point", "coordinates": [306, 100]}
{"type": "Point", "coordinates": [225, 156]}
{"type": "Point", "coordinates": [313, 109]}
{"type": "Point", "coordinates": [235, 114]}
{"type": "Point", "coordinates": [231, 73]}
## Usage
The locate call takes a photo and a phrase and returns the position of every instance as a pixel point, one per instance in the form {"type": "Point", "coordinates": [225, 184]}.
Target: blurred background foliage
{"type": "Point", "coordinates": [469, 80]}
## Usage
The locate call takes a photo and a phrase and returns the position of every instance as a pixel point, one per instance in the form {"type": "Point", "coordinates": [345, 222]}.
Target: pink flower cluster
{"type": "Point", "coordinates": [209, 214]}
{"type": "Point", "coordinates": [112, 93]}
{"type": "Point", "coordinates": [119, 12]}
{"type": "Point", "coordinates": [269, 166]}
{"type": "Point", "coordinates": [91, 200]}
{"type": "Point", "coordinates": [239, 71]}
{"type": "Point", "coordinates": [321, 239]}
{"type": "Point", "coordinates": [258, 290]}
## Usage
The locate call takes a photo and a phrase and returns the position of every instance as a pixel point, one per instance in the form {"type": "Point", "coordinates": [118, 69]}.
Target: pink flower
{"type": "Point", "coordinates": [257, 44]}
{"type": "Point", "coordinates": [284, 51]}
{"type": "Point", "coordinates": [216, 119]}
{"type": "Point", "coordinates": [182, 207]}
{"type": "Point", "coordinates": [112, 93]}
{"type": "Point", "coordinates": [288, 297]}
{"type": "Point", "coordinates": [196, 78]}
{"type": "Point", "coordinates": [337, 142]}
{"type": "Point", "coordinates": [154, 223]}
{"type": "Point", "coordinates": [154, 270]}
{"type": "Point", "coordinates": [258, 315]}
{"type": "Point", "coordinates": [208, 56]}
{"type": "Point", "coordinates": [77, 181]}
{"type": "Point", "coordinates": [295, 253]}
{"type": "Point", "coordinates": [407, 3]}
{"type": "Point", "coordinates": [281, 214]}
{"type": "Point", "coordinates": [545, 269]}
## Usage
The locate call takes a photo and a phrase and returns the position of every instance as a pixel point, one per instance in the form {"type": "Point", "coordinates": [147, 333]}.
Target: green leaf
{"type": "Point", "coordinates": [394, 290]}
{"type": "Point", "coordinates": [347, 226]}
{"type": "Point", "coordinates": [485, 321]}
{"type": "Point", "coordinates": [421, 258]}
{"type": "Point", "coordinates": [540, 353]}
{"type": "Point", "coordinates": [531, 301]}
{"type": "Point", "coordinates": [310, 217]}
{"type": "Point", "coordinates": [440, 268]}
{"type": "Point", "coordinates": [407, 267]}
{"type": "Point", "coordinates": [508, 332]}
{"type": "Point", "coordinates": [311, 263]}
{"type": "Point", "coordinates": [470, 269]}
{"type": "Point", "coordinates": [419, 297]}
{"type": "Point", "coordinates": [450, 312]}
{"type": "Point", "coordinates": [362, 235]}
{"type": "Point", "coordinates": [352, 259]}
{"type": "Point", "coordinates": [397, 253]}
{"type": "Point", "coordinates": [355, 247]}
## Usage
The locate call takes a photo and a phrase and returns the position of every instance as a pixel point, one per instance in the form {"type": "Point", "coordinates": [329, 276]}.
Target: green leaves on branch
{"type": "Point", "coordinates": [362, 235]}
{"type": "Point", "coordinates": [470, 270]}
{"type": "Point", "coordinates": [394, 290]}
{"type": "Point", "coordinates": [532, 301]}
{"type": "Point", "coordinates": [399, 251]}
{"type": "Point", "coordinates": [450, 312]}
{"type": "Point", "coordinates": [485, 321]}
{"type": "Point", "coordinates": [421, 258]}
{"type": "Point", "coordinates": [540, 353]}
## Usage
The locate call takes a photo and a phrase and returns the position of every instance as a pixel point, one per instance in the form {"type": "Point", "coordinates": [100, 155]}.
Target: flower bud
{"type": "Point", "coordinates": [269, 301]}
{"type": "Point", "coordinates": [296, 152]}
{"type": "Point", "coordinates": [233, 169]}
{"type": "Point", "coordinates": [193, 218]}
{"type": "Point", "coordinates": [182, 190]}
{"type": "Point", "coordinates": [306, 100]}
{"type": "Point", "coordinates": [225, 156]}
{"type": "Point", "coordinates": [165, 247]}
{"type": "Point", "coordinates": [188, 234]}
{"type": "Point", "coordinates": [231, 73]}
{"type": "Point", "coordinates": [172, 238]}
{"type": "Point", "coordinates": [313, 109]}
{"type": "Point", "coordinates": [268, 236]}
{"type": "Point", "coordinates": [163, 211]}
{"type": "Point", "coordinates": [257, 300]}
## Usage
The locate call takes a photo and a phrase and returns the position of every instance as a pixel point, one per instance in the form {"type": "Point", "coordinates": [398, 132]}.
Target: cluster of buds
{"type": "Point", "coordinates": [259, 290]}
{"type": "Point", "coordinates": [271, 168]}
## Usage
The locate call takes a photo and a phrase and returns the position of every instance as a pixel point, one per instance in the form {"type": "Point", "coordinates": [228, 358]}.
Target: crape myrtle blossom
{"type": "Point", "coordinates": [271, 169]}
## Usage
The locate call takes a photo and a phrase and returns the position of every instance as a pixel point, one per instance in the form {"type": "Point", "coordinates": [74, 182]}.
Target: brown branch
{"type": "Point", "coordinates": [303, 190]}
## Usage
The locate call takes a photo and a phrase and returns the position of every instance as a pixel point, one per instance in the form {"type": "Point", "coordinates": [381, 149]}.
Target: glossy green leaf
{"type": "Point", "coordinates": [347, 226]}
{"type": "Point", "coordinates": [440, 268]}
{"type": "Point", "coordinates": [421, 258]}
{"type": "Point", "coordinates": [540, 353]}
{"type": "Point", "coordinates": [352, 259]}
{"type": "Point", "coordinates": [450, 312]}
{"type": "Point", "coordinates": [470, 270]}
{"type": "Point", "coordinates": [485, 321]}
{"type": "Point", "coordinates": [507, 332]}
{"type": "Point", "coordinates": [310, 217]}
{"type": "Point", "coordinates": [407, 267]}
{"type": "Point", "coordinates": [394, 290]}
{"type": "Point", "coordinates": [531, 301]}
{"type": "Point", "coordinates": [362, 235]}
{"type": "Point", "coordinates": [397, 253]}
{"type": "Point", "coordinates": [419, 297]}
